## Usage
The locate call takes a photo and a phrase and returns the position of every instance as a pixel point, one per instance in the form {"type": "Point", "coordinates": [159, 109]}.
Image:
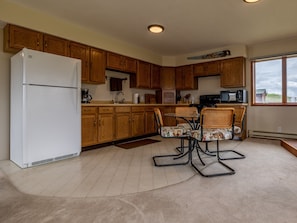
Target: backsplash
{"type": "Point", "coordinates": [101, 92]}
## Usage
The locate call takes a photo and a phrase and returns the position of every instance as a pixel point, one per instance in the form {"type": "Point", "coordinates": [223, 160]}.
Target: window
{"type": "Point", "coordinates": [275, 81]}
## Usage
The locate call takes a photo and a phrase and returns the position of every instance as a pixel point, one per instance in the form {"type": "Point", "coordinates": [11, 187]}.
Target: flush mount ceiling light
{"type": "Point", "coordinates": [250, 1]}
{"type": "Point", "coordinates": [155, 28]}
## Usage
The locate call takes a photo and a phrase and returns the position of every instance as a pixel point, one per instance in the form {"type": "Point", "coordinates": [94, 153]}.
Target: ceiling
{"type": "Point", "coordinates": [190, 25]}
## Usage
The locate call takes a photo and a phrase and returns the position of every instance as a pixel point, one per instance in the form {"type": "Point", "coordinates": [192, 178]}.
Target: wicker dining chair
{"type": "Point", "coordinates": [186, 112]}
{"type": "Point", "coordinates": [169, 132]}
{"type": "Point", "coordinates": [216, 124]}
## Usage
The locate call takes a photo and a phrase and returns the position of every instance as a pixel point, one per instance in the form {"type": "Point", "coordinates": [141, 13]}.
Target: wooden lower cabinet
{"type": "Point", "coordinates": [105, 124]}
{"type": "Point", "coordinates": [89, 126]}
{"type": "Point", "coordinates": [138, 121]}
{"type": "Point", "coordinates": [150, 123]}
{"type": "Point", "coordinates": [122, 120]}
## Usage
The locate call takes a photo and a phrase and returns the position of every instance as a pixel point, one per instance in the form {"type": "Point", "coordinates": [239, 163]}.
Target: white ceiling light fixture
{"type": "Point", "coordinates": [250, 1]}
{"type": "Point", "coordinates": [155, 28]}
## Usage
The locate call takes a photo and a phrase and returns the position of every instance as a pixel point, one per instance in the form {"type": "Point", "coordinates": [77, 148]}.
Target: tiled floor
{"type": "Point", "coordinates": [106, 171]}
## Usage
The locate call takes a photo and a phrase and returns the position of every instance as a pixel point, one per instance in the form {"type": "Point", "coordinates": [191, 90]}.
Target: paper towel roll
{"type": "Point", "coordinates": [136, 98]}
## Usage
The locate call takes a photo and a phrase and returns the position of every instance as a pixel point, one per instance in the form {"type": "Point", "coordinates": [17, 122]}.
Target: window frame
{"type": "Point", "coordinates": [284, 81]}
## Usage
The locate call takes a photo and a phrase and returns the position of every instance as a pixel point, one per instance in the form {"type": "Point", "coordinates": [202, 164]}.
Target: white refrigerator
{"type": "Point", "coordinates": [45, 111]}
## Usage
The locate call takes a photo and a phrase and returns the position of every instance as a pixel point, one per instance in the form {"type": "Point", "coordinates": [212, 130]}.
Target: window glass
{"type": "Point", "coordinates": [292, 79]}
{"type": "Point", "coordinates": [268, 81]}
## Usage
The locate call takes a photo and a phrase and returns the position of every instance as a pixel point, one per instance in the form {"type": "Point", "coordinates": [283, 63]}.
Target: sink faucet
{"type": "Point", "coordinates": [116, 99]}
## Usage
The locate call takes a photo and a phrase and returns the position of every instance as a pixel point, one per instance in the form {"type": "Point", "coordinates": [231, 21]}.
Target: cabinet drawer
{"type": "Point", "coordinates": [88, 110]}
{"type": "Point", "coordinates": [106, 110]}
{"type": "Point", "coordinates": [138, 109]}
{"type": "Point", "coordinates": [123, 109]}
{"type": "Point", "coordinates": [149, 108]}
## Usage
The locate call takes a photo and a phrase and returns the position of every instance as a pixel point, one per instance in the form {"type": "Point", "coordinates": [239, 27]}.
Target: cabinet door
{"type": "Point", "coordinates": [233, 72]}
{"type": "Point", "coordinates": [130, 65]}
{"type": "Point", "coordinates": [106, 127]}
{"type": "Point", "coordinates": [190, 82]}
{"type": "Point", "coordinates": [114, 61]}
{"type": "Point", "coordinates": [138, 124]}
{"type": "Point", "coordinates": [82, 52]}
{"type": "Point", "coordinates": [155, 76]}
{"type": "Point", "coordinates": [167, 78]}
{"type": "Point", "coordinates": [55, 45]}
{"type": "Point", "coordinates": [16, 38]}
{"type": "Point", "coordinates": [207, 69]}
{"type": "Point", "coordinates": [89, 126]}
{"type": "Point", "coordinates": [213, 68]}
{"type": "Point", "coordinates": [184, 78]}
{"type": "Point", "coordinates": [179, 78]}
{"type": "Point", "coordinates": [199, 70]}
{"type": "Point", "coordinates": [143, 75]}
{"type": "Point", "coordinates": [123, 125]}
{"type": "Point", "coordinates": [150, 123]}
{"type": "Point", "coordinates": [97, 66]}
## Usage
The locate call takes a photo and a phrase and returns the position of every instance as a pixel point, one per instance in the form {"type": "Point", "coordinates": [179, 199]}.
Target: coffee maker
{"type": "Point", "coordinates": [85, 96]}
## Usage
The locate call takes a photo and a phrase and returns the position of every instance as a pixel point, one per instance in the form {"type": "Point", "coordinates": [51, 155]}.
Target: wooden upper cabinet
{"type": "Point", "coordinates": [184, 78]}
{"type": "Point", "coordinates": [233, 72]}
{"type": "Point", "coordinates": [81, 51]}
{"type": "Point", "coordinates": [55, 45]}
{"type": "Point", "coordinates": [121, 63]}
{"type": "Point", "coordinates": [97, 66]}
{"type": "Point", "coordinates": [142, 78]}
{"type": "Point", "coordinates": [130, 64]}
{"type": "Point", "coordinates": [16, 38]}
{"type": "Point", "coordinates": [207, 69]}
{"type": "Point", "coordinates": [155, 76]}
{"type": "Point", "coordinates": [167, 77]}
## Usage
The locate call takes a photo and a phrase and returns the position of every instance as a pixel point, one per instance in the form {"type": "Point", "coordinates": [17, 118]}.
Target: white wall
{"type": "Point", "coordinates": [4, 100]}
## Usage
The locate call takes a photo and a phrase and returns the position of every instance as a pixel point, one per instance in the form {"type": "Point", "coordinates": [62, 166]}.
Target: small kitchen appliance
{"type": "Point", "coordinates": [85, 96]}
{"type": "Point", "coordinates": [239, 96]}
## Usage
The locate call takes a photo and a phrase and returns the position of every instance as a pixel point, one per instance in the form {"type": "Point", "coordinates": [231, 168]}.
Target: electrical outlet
{"type": "Point", "coordinates": [279, 129]}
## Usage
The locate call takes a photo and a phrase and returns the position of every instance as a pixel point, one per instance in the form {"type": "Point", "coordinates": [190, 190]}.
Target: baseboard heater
{"type": "Point", "coordinates": [271, 135]}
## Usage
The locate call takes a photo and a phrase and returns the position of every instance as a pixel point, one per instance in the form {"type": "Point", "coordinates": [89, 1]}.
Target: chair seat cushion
{"type": "Point", "coordinates": [186, 126]}
{"type": "Point", "coordinates": [212, 134]}
{"type": "Point", "coordinates": [172, 131]}
{"type": "Point", "coordinates": [237, 130]}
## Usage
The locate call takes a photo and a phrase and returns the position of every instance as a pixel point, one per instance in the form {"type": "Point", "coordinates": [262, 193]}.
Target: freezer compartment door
{"type": "Point", "coordinates": [52, 123]}
{"type": "Point", "coordinates": [48, 69]}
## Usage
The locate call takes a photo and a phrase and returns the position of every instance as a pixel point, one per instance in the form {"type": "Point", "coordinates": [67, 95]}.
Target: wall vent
{"type": "Point", "coordinates": [53, 159]}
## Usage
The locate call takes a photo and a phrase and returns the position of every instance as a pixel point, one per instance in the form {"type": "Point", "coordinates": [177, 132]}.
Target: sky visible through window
{"type": "Point", "coordinates": [292, 77]}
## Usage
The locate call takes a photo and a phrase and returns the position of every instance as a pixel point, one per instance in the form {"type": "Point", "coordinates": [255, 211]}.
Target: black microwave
{"type": "Point", "coordinates": [239, 96]}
